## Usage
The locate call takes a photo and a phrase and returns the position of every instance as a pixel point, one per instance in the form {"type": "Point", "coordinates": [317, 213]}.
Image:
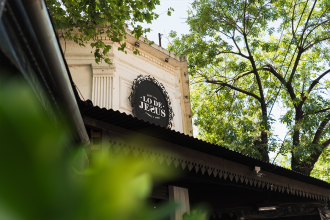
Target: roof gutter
{"type": "Point", "coordinates": [39, 17]}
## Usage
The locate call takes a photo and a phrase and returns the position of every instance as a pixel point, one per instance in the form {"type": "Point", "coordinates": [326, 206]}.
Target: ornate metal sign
{"type": "Point", "coordinates": [150, 101]}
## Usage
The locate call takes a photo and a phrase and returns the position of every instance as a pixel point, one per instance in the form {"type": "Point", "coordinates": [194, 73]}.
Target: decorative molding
{"type": "Point", "coordinates": [72, 56]}
{"type": "Point", "coordinates": [130, 47]}
{"type": "Point", "coordinates": [103, 70]}
{"type": "Point", "coordinates": [153, 60]}
{"type": "Point", "coordinates": [202, 167]}
{"type": "Point", "coordinates": [135, 85]}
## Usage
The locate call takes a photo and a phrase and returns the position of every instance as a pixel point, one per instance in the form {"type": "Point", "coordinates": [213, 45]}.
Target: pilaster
{"type": "Point", "coordinates": [181, 195]}
{"type": "Point", "coordinates": [102, 86]}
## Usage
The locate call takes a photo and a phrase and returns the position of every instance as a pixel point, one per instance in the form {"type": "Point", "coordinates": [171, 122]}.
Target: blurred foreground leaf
{"type": "Point", "coordinates": [39, 178]}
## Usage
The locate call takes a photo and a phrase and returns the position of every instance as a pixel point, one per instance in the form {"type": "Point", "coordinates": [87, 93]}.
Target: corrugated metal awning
{"type": "Point", "coordinates": [134, 124]}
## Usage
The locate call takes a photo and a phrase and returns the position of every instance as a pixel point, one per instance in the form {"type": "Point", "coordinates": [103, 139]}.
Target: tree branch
{"type": "Point", "coordinates": [292, 20]}
{"type": "Point", "coordinates": [317, 136]}
{"type": "Point", "coordinates": [282, 80]}
{"type": "Point", "coordinates": [306, 23]}
{"type": "Point", "coordinates": [316, 81]}
{"type": "Point", "coordinates": [240, 54]}
{"type": "Point", "coordinates": [256, 17]}
{"type": "Point", "coordinates": [261, 92]}
{"type": "Point", "coordinates": [233, 38]}
{"type": "Point", "coordinates": [326, 143]}
{"type": "Point", "coordinates": [227, 35]}
{"type": "Point", "coordinates": [316, 26]}
{"type": "Point", "coordinates": [312, 44]}
{"type": "Point", "coordinates": [234, 24]}
{"type": "Point", "coordinates": [244, 74]}
{"type": "Point", "coordinates": [295, 66]}
{"type": "Point", "coordinates": [234, 88]}
{"type": "Point", "coordinates": [320, 129]}
{"type": "Point", "coordinates": [300, 46]}
{"type": "Point", "coordinates": [244, 18]}
{"type": "Point", "coordinates": [320, 111]}
{"type": "Point", "coordinates": [275, 73]}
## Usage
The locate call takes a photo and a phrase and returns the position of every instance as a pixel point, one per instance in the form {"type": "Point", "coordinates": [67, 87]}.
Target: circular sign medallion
{"type": "Point", "coordinates": [150, 101]}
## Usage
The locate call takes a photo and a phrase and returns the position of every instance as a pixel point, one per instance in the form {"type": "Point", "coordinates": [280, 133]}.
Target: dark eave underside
{"type": "Point", "coordinates": [134, 124]}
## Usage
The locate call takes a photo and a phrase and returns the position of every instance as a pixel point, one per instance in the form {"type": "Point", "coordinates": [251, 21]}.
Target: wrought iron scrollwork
{"type": "Point", "coordinates": [136, 84]}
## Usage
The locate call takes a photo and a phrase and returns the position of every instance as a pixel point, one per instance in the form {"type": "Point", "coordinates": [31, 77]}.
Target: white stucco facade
{"type": "Point", "coordinates": [110, 86]}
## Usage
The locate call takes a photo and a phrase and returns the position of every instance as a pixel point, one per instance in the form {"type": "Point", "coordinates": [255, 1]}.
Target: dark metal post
{"type": "Point", "coordinates": [160, 39]}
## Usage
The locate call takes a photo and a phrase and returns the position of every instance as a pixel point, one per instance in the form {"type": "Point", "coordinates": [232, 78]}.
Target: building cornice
{"type": "Point", "coordinates": [153, 60]}
{"type": "Point", "coordinates": [161, 53]}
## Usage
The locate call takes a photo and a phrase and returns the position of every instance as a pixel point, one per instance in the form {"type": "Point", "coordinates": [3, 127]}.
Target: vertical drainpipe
{"type": "Point", "coordinates": [39, 17]}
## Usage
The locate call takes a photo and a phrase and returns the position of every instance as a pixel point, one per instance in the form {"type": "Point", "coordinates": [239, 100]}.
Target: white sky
{"type": "Point", "coordinates": [176, 22]}
{"type": "Point", "coordinates": [164, 24]}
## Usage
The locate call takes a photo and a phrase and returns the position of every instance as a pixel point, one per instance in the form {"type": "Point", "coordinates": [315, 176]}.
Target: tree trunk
{"type": "Point", "coordinates": [296, 163]}
{"type": "Point", "coordinates": [308, 167]}
{"type": "Point", "coordinates": [295, 142]}
{"type": "Point", "coordinates": [264, 146]}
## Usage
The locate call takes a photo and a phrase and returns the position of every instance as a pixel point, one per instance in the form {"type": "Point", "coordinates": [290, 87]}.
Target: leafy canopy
{"type": "Point", "coordinates": [247, 56]}
{"type": "Point", "coordinates": [90, 18]}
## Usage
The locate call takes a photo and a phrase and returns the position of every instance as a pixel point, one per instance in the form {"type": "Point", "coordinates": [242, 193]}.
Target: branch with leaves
{"type": "Point", "coordinates": [91, 18]}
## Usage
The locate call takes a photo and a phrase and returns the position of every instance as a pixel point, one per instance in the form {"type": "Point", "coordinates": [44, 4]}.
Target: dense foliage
{"type": "Point", "coordinates": [91, 18]}
{"type": "Point", "coordinates": [245, 56]}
